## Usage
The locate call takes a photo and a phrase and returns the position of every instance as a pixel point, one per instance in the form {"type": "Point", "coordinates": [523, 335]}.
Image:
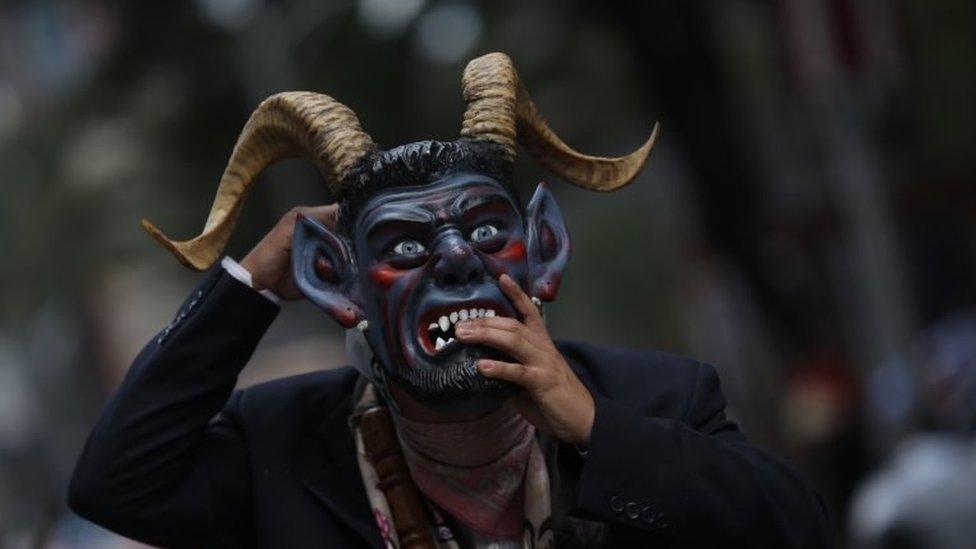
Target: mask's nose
{"type": "Point", "coordinates": [457, 263]}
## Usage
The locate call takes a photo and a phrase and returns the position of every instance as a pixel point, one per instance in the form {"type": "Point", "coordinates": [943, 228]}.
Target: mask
{"type": "Point", "coordinates": [426, 229]}
{"type": "Point", "coordinates": [418, 260]}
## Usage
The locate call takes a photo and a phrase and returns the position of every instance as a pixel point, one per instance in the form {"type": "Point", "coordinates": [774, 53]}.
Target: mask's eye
{"type": "Point", "coordinates": [409, 247]}
{"type": "Point", "coordinates": [483, 233]}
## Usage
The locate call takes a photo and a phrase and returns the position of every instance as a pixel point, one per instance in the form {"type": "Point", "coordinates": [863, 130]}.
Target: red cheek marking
{"type": "Point", "coordinates": [513, 252]}
{"type": "Point", "coordinates": [385, 276]}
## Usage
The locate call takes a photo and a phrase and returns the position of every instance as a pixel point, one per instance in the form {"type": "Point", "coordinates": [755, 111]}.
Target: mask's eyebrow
{"type": "Point", "coordinates": [468, 202]}
{"type": "Point", "coordinates": [397, 216]}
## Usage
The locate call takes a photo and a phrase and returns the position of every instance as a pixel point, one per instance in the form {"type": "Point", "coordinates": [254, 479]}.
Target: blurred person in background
{"type": "Point", "coordinates": [923, 496]}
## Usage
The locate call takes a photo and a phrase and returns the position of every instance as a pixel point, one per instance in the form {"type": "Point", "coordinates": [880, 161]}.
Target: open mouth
{"type": "Point", "coordinates": [437, 326]}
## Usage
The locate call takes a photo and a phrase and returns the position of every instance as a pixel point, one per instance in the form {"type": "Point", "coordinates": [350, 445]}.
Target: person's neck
{"type": "Point", "coordinates": [459, 439]}
{"type": "Point", "coordinates": [413, 409]}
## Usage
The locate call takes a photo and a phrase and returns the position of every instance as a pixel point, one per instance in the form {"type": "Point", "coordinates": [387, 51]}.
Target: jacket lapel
{"type": "Point", "coordinates": [331, 473]}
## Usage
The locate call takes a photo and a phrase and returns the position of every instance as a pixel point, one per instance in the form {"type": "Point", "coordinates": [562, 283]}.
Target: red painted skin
{"type": "Point", "coordinates": [514, 251]}
{"type": "Point", "coordinates": [502, 261]}
{"type": "Point", "coordinates": [385, 276]}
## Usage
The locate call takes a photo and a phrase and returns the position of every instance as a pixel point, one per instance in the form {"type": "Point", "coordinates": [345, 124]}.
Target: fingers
{"type": "Point", "coordinates": [500, 322]}
{"type": "Point", "coordinates": [523, 303]}
{"type": "Point", "coordinates": [506, 371]}
{"type": "Point", "coordinates": [511, 342]}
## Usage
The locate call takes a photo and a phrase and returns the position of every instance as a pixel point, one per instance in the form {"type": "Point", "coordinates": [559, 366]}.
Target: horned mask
{"type": "Point", "coordinates": [423, 247]}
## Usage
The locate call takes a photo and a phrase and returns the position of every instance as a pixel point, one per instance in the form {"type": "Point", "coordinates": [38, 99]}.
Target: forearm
{"type": "Point", "coordinates": [142, 450]}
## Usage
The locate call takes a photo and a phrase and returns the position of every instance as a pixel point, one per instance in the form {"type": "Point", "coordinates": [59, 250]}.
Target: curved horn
{"type": "Point", "coordinates": [284, 125]}
{"type": "Point", "coordinates": [499, 109]}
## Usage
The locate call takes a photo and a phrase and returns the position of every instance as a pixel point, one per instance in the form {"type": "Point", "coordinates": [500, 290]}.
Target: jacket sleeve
{"type": "Point", "coordinates": [166, 463]}
{"type": "Point", "coordinates": [694, 482]}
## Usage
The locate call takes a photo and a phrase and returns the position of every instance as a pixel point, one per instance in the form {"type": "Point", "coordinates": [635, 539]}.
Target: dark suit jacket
{"type": "Point", "coordinates": [180, 459]}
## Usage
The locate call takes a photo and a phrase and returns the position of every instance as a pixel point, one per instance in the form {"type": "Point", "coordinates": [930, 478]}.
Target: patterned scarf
{"type": "Point", "coordinates": [489, 474]}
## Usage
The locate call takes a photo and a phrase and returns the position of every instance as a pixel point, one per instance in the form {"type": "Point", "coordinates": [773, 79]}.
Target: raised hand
{"type": "Point", "coordinates": [269, 262]}
{"type": "Point", "coordinates": [555, 400]}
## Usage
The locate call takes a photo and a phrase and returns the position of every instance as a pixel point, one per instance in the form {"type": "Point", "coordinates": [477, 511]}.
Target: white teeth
{"type": "Point", "coordinates": [445, 322]}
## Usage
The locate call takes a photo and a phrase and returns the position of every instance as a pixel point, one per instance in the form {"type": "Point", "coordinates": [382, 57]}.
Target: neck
{"type": "Point", "coordinates": [461, 440]}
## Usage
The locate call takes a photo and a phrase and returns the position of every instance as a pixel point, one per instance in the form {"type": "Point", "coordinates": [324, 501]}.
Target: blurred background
{"type": "Point", "coordinates": [804, 224]}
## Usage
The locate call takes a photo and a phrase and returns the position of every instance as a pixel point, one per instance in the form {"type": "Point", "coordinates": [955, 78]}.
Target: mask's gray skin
{"type": "Point", "coordinates": [412, 254]}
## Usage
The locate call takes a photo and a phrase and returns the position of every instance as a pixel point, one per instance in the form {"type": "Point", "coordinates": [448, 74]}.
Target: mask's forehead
{"type": "Point", "coordinates": [437, 201]}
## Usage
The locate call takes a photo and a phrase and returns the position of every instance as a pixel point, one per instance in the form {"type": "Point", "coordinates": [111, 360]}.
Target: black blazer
{"type": "Point", "coordinates": [180, 459]}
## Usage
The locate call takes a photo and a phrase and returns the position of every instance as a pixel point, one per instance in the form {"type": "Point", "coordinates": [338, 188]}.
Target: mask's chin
{"type": "Point", "coordinates": [471, 406]}
{"type": "Point", "coordinates": [440, 372]}
{"type": "Point", "coordinates": [433, 368]}
{"type": "Point", "coordinates": [452, 384]}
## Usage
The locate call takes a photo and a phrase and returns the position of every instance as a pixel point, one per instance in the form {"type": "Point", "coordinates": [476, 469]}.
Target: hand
{"type": "Point", "coordinates": [555, 400]}
{"type": "Point", "coordinates": [270, 261]}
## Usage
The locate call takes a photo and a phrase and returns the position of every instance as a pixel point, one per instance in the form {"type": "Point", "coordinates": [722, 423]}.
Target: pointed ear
{"type": "Point", "coordinates": [548, 244]}
{"type": "Point", "coordinates": [324, 271]}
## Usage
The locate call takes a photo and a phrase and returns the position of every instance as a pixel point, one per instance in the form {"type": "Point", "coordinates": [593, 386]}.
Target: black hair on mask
{"type": "Point", "coordinates": [416, 164]}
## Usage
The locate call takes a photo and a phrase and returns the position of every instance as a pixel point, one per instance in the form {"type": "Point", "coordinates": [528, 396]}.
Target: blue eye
{"type": "Point", "coordinates": [483, 233]}
{"type": "Point", "coordinates": [409, 247]}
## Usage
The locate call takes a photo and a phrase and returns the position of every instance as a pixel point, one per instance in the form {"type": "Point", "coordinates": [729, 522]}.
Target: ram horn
{"type": "Point", "coordinates": [285, 125]}
{"type": "Point", "coordinates": [499, 109]}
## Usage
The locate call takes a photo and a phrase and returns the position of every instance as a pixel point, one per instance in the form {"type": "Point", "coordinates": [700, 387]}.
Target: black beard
{"type": "Point", "coordinates": [456, 385]}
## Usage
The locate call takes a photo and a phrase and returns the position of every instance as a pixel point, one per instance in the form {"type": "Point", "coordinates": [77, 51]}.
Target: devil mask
{"type": "Point", "coordinates": [425, 229]}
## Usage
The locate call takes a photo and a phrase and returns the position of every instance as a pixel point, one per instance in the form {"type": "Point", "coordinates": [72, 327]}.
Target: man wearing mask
{"type": "Point", "coordinates": [460, 422]}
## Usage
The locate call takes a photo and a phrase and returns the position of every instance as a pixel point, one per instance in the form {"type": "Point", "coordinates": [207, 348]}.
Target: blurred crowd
{"type": "Point", "coordinates": [805, 223]}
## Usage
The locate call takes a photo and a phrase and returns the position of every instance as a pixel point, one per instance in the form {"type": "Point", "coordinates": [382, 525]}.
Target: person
{"type": "Point", "coordinates": [460, 423]}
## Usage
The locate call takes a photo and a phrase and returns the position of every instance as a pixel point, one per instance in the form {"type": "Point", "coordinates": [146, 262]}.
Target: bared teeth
{"type": "Point", "coordinates": [443, 324]}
